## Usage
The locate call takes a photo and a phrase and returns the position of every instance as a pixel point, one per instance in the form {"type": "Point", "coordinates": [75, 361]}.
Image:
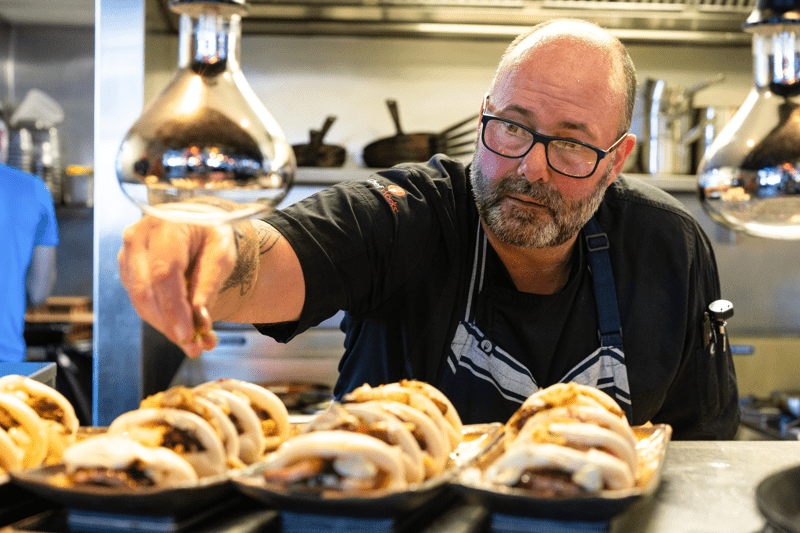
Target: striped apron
{"type": "Point", "coordinates": [486, 383]}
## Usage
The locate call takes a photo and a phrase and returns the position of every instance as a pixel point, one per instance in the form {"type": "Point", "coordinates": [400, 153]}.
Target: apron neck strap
{"type": "Point", "coordinates": [603, 280]}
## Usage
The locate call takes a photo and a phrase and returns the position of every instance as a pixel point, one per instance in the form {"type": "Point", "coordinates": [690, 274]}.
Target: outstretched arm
{"type": "Point", "coordinates": [182, 277]}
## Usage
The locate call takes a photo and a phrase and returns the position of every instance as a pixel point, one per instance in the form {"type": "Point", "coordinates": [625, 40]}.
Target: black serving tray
{"type": "Point", "coordinates": [154, 501]}
{"type": "Point", "coordinates": [514, 502]}
{"type": "Point", "coordinates": [477, 439]}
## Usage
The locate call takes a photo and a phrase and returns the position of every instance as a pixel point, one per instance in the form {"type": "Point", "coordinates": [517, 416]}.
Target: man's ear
{"type": "Point", "coordinates": [622, 152]}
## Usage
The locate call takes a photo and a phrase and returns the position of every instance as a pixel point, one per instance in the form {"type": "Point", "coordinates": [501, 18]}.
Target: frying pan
{"type": "Point", "coordinates": [316, 154]}
{"type": "Point", "coordinates": [417, 147]}
{"type": "Point", "coordinates": [776, 497]}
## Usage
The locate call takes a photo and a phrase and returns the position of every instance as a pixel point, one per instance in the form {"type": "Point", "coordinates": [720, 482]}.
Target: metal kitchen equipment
{"type": "Point", "coordinates": [317, 154]}
{"type": "Point", "coordinates": [37, 150]}
{"type": "Point", "coordinates": [749, 179]}
{"type": "Point", "coordinates": [419, 147]}
{"type": "Point", "coordinates": [206, 134]}
{"type": "Point", "coordinates": [708, 122]}
{"type": "Point", "coordinates": [667, 119]}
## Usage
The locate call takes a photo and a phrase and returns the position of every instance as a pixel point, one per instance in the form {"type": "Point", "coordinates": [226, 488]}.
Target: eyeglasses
{"type": "Point", "coordinates": [566, 156]}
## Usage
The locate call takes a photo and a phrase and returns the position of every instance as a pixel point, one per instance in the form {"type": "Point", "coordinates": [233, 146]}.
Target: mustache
{"type": "Point", "coordinates": [538, 191]}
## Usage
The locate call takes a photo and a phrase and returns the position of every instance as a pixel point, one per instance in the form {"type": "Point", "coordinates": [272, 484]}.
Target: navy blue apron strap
{"type": "Point", "coordinates": [603, 280]}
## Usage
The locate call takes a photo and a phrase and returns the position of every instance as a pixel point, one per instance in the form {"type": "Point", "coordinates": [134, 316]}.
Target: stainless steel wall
{"type": "Point", "coordinates": [118, 100]}
{"type": "Point", "coordinates": [761, 277]}
{"type": "Point", "coordinates": [58, 60]}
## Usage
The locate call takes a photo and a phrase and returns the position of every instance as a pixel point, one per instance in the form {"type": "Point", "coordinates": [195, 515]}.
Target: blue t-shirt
{"type": "Point", "coordinates": [27, 219]}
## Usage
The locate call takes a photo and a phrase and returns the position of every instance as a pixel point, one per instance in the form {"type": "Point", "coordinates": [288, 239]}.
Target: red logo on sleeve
{"type": "Point", "coordinates": [388, 192]}
{"type": "Point", "coordinates": [394, 190]}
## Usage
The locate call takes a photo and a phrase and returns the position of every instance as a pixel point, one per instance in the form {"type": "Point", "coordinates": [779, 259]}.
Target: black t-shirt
{"type": "Point", "coordinates": [395, 252]}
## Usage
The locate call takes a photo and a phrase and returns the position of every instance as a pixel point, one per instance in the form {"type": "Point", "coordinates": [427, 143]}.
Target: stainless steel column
{"type": "Point", "coordinates": [119, 96]}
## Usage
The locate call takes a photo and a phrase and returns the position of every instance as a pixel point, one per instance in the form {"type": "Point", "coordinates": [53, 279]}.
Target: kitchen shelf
{"type": "Point", "coordinates": [710, 22]}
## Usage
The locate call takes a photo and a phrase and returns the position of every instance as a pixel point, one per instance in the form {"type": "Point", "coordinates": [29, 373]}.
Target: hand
{"type": "Point", "coordinates": [173, 274]}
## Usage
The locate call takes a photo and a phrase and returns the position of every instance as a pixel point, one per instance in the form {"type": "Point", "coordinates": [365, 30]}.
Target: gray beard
{"type": "Point", "coordinates": [518, 227]}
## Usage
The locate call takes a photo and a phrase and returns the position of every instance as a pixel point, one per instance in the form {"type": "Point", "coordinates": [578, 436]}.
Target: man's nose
{"type": "Point", "coordinates": [534, 164]}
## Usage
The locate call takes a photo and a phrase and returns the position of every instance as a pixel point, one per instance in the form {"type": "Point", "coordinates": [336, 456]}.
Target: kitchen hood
{"type": "Point", "coordinates": [717, 22]}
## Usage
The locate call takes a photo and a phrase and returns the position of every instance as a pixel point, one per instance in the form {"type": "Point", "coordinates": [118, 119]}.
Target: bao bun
{"type": "Point", "coordinates": [185, 433]}
{"type": "Point", "coordinates": [251, 439]}
{"type": "Point", "coordinates": [412, 398]}
{"type": "Point", "coordinates": [369, 419]}
{"type": "Point", "coordinates": [159, 466]}
{"type": "Point", "coordinates": [186, 399]}
{"type": "Point", "coordinates": [10, 454]}
{"type": "Point", "coordinates": [361, 462]}
{"type": "Point", "coordinates": [592, 469]}
{"type": "Point", "coordinates": [55, 411]}
{"type": "Point", "coordinates": [25, 428]}
{"type": "Point", "coordinates": [269, 408]}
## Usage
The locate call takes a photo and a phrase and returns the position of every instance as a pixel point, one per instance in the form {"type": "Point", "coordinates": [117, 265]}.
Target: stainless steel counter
{"type": "Point", "coordinates": [709, 487]}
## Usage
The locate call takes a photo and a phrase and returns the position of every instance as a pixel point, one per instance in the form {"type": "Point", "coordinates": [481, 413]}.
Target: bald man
{"type": "Point", "coordinates": [537, 263]}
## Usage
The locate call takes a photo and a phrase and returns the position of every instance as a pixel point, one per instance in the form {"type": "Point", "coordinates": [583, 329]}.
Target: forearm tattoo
{"type": "Point", "coordinates": [251, 242]}
{"type": "Point", "coordinates": [244, 272]}
{"type": "Point", "coordinates": [267, 239]}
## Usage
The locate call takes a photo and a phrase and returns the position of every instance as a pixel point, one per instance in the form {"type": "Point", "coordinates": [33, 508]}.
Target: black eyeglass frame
{"type": "Point", "coordinates": [546, 140]}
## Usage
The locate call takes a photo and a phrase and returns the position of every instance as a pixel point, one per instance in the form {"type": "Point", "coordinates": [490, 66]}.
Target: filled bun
{"type": "Point", "coordinates": [432, 442]}
{"type": "Point", "coordinates": [185, 399]}
{"type": "Point", "coordinates": [561, 395]}
{"type": "Point", "coordinates": [56, 412]}
{"type": "Point", "coordinates": [581, 413]}
{"type": "Point", "coordinates": [248, 427]}
{"type": "Point", "coordinates": [187, 434]}
{"type": "Point", "coordinates": [336, 463]}
{"type": "Point", "coordinates": [439, 399]}
{"type": "Point", "coordinates": [25, 428]}
{"type": "Point", "coordinates": [269, 408]}
{"type": "Point", "coordinates": [567, 440]}
{"type": "Point", "coordinates": [10, 454]}
{"type": "Point", "coordinates": [559, 471]}
{"type": "Point", "coordinates": [369, 419]}
{"type": "Point", "coordinates": [412, 398]}
{"type": "Point", "coordinates": [114, 461]}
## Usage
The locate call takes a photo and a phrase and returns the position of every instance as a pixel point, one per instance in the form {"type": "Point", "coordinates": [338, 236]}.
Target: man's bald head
{"type": "Point", "coordinates": [579, 34]}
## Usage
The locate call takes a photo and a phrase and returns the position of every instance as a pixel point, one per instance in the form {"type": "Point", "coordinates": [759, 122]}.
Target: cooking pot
{"type": "Point", "coordinates": [316, 154]}
{"type": "Point", "coordinates": [667, 118]}
{"type": "Point", "coordinates": [708, 122]}
{"type": "Point", "coordinates": [419, 147]}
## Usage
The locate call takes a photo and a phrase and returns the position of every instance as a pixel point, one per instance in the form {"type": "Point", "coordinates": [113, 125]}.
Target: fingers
{"type": "Point", "coordinates": [159, 263]}
{"type": "Point", "coordinates": [135, 274]}
{"type": "Point", "coordinates": [214, 263]}
{"type": "Point", "coordinates": [164, 264]}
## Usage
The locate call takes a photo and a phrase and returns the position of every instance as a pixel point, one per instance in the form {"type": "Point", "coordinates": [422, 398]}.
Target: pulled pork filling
{"type": "Point", "coordinates": [236, 423]}
{"type": "Point", "coordinates": [161, 434]}
{"type": "Point", "coordinates": [7, 420]}
{"type": "Point", "coordinates": [550, 484]}
{"type": "Point", "coordinates": [321, 474]}
{"type": "Point", "coordinates": [379, 431]}
{"type": "Point", "coordinates": [132, 476]}
{"type": "Point", "coordinates": [268, 426]}
{"type": "Point", "coordinates": [184, 399]}
{"type": "Point", "coordinates": [181, 441]}
{"type": "Point", "coordinates": [46, 408]}
{"type": "Point", "coordinates": [15, 429]}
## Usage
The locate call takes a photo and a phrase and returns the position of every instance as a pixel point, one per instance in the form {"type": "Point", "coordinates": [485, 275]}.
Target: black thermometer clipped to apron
{"type": "Point", "coordinates": [483, 380]}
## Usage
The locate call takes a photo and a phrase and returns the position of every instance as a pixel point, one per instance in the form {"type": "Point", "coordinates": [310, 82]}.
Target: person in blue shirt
{"type": "Point", "coordinates": [28, 237]}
